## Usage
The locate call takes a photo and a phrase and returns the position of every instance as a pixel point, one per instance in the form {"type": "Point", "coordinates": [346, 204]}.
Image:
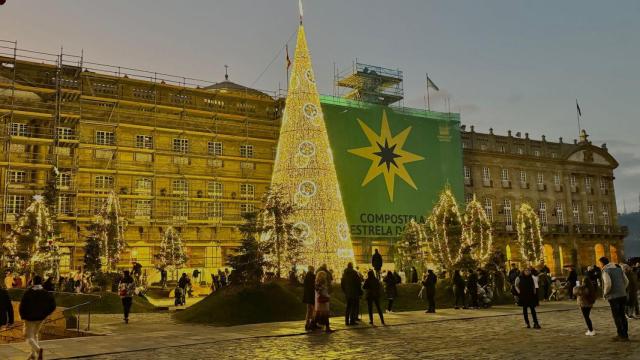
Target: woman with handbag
{"type": "Point", "coordinates": [321, 307]}
{"type": "Point", "coordinates": [126, 290]}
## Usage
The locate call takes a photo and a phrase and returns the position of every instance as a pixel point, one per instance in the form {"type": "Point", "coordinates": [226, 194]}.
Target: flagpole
{"type": "Point", "coordinates": [428, 100]}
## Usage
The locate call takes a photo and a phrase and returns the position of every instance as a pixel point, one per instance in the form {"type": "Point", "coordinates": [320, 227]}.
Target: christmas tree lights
{"type": "Point", "coordinates": [444, 231]}
{"type": "Point", "coordinates": [109, 227]}
{"type": "Point", "coordinates": [171, 255]}
{"type": "Point", "coordinates": [410, 248]}
{"type": "Point", "coordinates": [529, 235]}
{"type": "Point", "coordinates": [477, 232]}
{"type": "Point", "coordinates": [305, 170]}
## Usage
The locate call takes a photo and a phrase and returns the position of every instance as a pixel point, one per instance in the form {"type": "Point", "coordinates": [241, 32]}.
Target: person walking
{"type": "Point", "coordinates": [372, 294]}
{"type": "Point", "coordinates": [322, 301]}
{"type": "Point", "coordinates": [472, 289]}
{"type": "Point", "coordinates": [390, 289]}
{"type": "Point", "coordinates": [458, 290]}
{"type": "Point", "coordinates": [6, 308]}
{"type": "Point", "coordinates": [586, 294]}
{"type": "Point", "coordinates": [430, 288]}
{"type": "Point", "coordinates": [527, 296]}
{"type": "Point", "coordinates": [376, 262]}
{"type": "Point", "coordinates": [571, 281]}
{"type": "Point", "coordinates": [184, 283]}
{"type": "Point", "coordinates": [350, 284]}
{"type": "Point", "coordinates": [35, 306]}
{"type": "Point", "coordinates": [308, 298]}
{"type": "Point", "coordinates": [126, 290]}
{"type": "Point", "coordinates": [614, 289]}
{"type": "Point", "coordinates": [632, 291]}
{"type": "Point", "coordinates": [414, 275]}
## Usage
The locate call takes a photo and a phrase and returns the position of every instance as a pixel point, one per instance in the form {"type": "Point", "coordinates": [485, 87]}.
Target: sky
{"type": "Point", "coordinates": [510, 64]}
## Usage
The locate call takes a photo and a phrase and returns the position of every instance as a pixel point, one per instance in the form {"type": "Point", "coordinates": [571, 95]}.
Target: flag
{"type": "Point", "coordinates": [286, 47]}
{"type": "Point", "coordinates": [578, 108]}
{"type": "Point", "coordinates": [431, 84]}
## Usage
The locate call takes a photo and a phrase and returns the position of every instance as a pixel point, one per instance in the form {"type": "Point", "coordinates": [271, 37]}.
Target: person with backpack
{"type": "Point", "coordinates": [614, 289]}
{"type": "Point", "coordinates": [36, 305]}
{"type": "Point", "coordinates": [586, 293]}
{"type": "Point", "coordinates": [126, 290]}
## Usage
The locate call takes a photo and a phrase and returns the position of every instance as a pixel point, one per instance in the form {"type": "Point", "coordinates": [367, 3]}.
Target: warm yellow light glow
{"type": "Point", "coordinates": [529, 236]}
{"type": "Point", "coordinates": [445, 245]}
{"type": "Point", "coordinates": [305, 170]}
{"type": "Point", "coordinates": [477, 232]}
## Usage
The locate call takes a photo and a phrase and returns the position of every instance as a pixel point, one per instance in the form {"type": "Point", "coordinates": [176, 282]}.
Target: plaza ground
{"type": "Point", "coordinates": [495, 333]}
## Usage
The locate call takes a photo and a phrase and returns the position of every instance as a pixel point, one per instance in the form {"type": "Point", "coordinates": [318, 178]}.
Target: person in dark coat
{"type": "Point", "coordinates": [571, 281]}
{"type": "Point", "coordinates": [390, 289]}
{"type": "Point", "coordinates": [35, 306]}
{"type": "Point", "coordinates": [376, 262]}
{"type": "Point", "coordinates": [350, 284]}
{"type": "Point", "coordinates": [472, 289]}
{"type": "Point", "coordinates": [372, 294]}
{"type": "Point", "coordinates": [430, 288]}
{"type": "Point", "coordinates": [398, 277]}
{"type": "Point", "coordinates": [458, 289]}
{"type": "Point", "coordinates": [527, 296]}
{"type": "Point", "coordinates": [414, 275]}
{"type": "Point", "coordinates": [126, 291]}
{"type": "Point", "coordinates": [513, 274]}
{"type": "Point", "coordinates": [309, 297]}
{"type": "Point", "coordinates": [48, 285]}
{"type": "Point", "coordinates": [6, 308]}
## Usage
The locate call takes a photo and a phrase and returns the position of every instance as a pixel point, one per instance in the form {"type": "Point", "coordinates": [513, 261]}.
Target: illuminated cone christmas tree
{"type": "Point", "coordinates": [305, 170]}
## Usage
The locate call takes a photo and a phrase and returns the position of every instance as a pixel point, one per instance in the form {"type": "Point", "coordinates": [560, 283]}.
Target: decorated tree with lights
{"type": "Point", "coordinates": [109, 226]}
{"type": "Point", "coordinates": [477, 233]}
{"type": "Point", "coordinates": [248, 262]}
{"type": "Point", "coordinates": [305, 171]}
{"type": "Point", "coordinates": [281, 241]}
{"type": "Point", "coordinates": [31, 244]}
{"type": "Point", "coordinates": [171, 254]}
{"type": "Point", "coordinates": [92, 254]}
{"type": "Point", "coordinates": [409, 249]}
{"type": "Point", "coordinates": [444, 237]}
{"type": "Point", "coordinates": [529, 235]}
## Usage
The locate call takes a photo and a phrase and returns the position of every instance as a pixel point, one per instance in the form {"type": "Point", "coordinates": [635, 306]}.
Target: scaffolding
{"type": "Point", "coordinates": [67, 117]}
{"type": "Point", "coordinates": [369, 83]}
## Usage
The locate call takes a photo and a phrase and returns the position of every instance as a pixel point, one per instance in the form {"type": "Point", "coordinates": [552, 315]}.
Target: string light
{"type": "Point", "coordinates": [477, 231]}
{"type": "Point", "coordinates": [305, 170]}
{"type": "Point", "coordinates": [445, 246]}
{"type": "Point", "coordinates": [529, 235]}
{"type": "Point", "coordinates": [410, 246]}
{"type": "Point", "coordinates": [110, 227]}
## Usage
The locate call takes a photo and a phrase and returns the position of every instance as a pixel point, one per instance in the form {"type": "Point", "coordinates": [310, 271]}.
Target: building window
{"type": "Point", "coordinates": [559, 213]}
{"type": "Point", "coordinates": [556, 179]}
{"type": "Point", "coordinates": [104, 182]}
{"type": "Point", "coordinates": [214, 210]}
{"type": "Point", "coordinates": [488, 208]}
{"type": "Point", "coordinates": [540, 178]}
{"type": "Point", "coordinates": [575, 207]}
{"type": "Point", "coordinates": [573, 181]}
{"type": "Point", "coordinates": [15, 204]}
{"type": "Point", "coordinates": [17, 177]}
{"type": "Point", "coordinates": [520, 150]}
{"type": "Point", "coordinates": [502, 149]}
{"type": "Point", "coordinates": [215, 189]}
{"type": "Point", "coordinates": [105, 138]}
{"type": "Point", "coordinates": [467, 173]}
{"type": "Point", "coordinates": [590, 214]}
{"type": "Point", "coordinates": [64, 180]}
{"type": "Point", "coordinates": [486, 176]}
{"type": "Point", "coordinates": [246, 151]}
{"type": "Point", "coordinates": [523, 178]}
{"type": "Point", "coordinates": [587, 183]}
{"type": "Point", "coordinates": [18, 129]}
{"type": "Point", "coordinates": [603, 185]}
{"type": "Point", "coordinates": [180, 186]}
{"type": "Point", "coordinates": [143, 186]}
{"type": "Point", "coordinates": [64, 133]}
{"type": "Point", "coordinates": [542, 213]}
{"type": "Point", "coordinates": [605, 214]}
{"type": "Point", "coordinates": [483, 146]}
{"type": "Point", "coordinates": [181, 145]}
{"type": "Point", "coordinates": [96, 205]}
{"type": "Point", "coordinates": [65, 205]}
{"type": "Point", "coordinates": [465, 145]}
{"type": "Point", "coordinates": [506, 209]}
{"type": "Point", "coordinates": [467, 198]}
{"type": "Point", "coordinates": [536, 153]}
{"type": "Point", "coordinates": [504, 175]}
{"type": "Point", "coordinates": [179, 209]}
{"type": "Point", "coordinates": [247, 191]}
{"type": "Point", "coordinates": [247, 208]}
{"type": "Point", "coordinates": [144, 141]}
{"type": "Point", "coordinates": [142, 208]}
{"type": "Point", "coordinates": [215, 148]}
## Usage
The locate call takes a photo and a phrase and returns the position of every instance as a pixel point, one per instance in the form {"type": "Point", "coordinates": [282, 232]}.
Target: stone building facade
{"type": "Point", "coordinates": [569, 185]}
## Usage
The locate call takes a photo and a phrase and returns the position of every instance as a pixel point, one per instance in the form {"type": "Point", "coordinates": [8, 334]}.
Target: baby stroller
{"type": "Point", "coordinates": [557, 288]}
{"type": "Point", "coordinates": [179, 296]}
{"type": "Point", "coordinates": [485, 296]}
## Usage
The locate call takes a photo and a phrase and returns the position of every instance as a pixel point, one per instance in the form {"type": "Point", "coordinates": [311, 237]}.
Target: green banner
{"type": "Point", "coordinates": [392, 163]}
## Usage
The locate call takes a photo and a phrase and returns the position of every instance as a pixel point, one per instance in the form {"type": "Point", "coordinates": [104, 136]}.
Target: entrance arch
{"type": "Point", "coordinates": [508, 251]}
{"type": "Point", "coordinates": [599, 252]}
{"type": "Point", "coordinates": [548, 258]}
{"type": "Point", "coordinates": [561, 257]}
{"type": "Point", "coordinates": [614, 254]}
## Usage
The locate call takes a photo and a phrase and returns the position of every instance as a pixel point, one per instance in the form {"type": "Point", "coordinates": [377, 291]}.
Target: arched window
{"type": "Point", "coordinates": [548, 258]}
{"type": "Point", "coordinates": [599, 250]}
{"type": "Point", "coordinates": [614, 254]}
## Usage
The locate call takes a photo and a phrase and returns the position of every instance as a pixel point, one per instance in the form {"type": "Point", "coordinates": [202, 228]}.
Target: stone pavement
{"type": "Point", "coordinates": [495, 333]}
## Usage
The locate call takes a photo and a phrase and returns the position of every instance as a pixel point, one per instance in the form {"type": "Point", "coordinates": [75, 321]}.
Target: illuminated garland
{"type": "Point", "coordinates": [410, 247]}
{"type": "Point", "coordinates": [110, 227]}
{"type": "Point", "coordinates": [443, 224]}
{"type": "Point", "coordinates": [171, 255]}
{"type": "Point", "coordinates": [31, 246]}
{"type": "Point", "coordinates": [305, 170]}
{"type": "Point", "coordinates": [477, 231]}
{"type": "Point", "coordinates": [529, 236]}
